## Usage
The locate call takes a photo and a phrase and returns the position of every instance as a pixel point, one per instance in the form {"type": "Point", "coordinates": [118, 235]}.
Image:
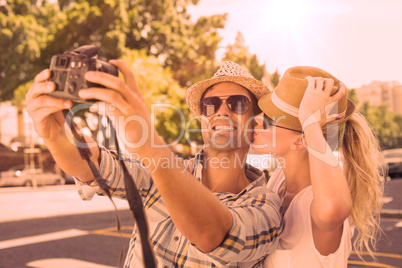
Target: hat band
{"type": "Point", "coordinates": [286, 107]}
{"type": "Point", "coordinates": [294, 111]}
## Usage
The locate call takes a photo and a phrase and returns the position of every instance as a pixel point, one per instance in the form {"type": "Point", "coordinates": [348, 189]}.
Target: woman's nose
{"type": "Point", "coordinates": [259, 119]}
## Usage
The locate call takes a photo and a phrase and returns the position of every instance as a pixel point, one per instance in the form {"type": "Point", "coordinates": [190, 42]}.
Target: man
{"type": "Point", "coordinates": [217, 212]}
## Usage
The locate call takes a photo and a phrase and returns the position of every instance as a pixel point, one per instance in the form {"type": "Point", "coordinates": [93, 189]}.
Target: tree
{"type": "Point", "coordinates": [23, 38]}
{"type": "Point", "coordinates": [274, 78]}
{"type": "Point", "coordinates": [164, 96]}
{"type": "Point", "coordinates": [386, 125]}
{"type": "Point", "coordinates": [352, 95]}
{"type": "Point", "coordinates": [162, 28]}
{"type": "Point", "coordinates": [239, 53]}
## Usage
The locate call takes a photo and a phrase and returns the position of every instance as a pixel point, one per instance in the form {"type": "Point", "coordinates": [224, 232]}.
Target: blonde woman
{"type": "Point", "coordinates": [305, 119]}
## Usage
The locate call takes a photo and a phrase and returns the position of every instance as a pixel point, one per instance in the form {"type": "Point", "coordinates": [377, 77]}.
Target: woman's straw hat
{"type": "Point", "coordinates": [283, 103]}
{"type": "Point", "coordinates": [228, 72]}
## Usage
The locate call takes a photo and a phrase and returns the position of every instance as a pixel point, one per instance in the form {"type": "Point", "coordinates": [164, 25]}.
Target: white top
{"type": "Point", "coordinates": [296, 245]}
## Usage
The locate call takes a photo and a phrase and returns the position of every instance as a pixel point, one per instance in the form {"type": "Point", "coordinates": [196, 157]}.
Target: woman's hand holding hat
{"type": "Point", "coordinates": [317, 103]}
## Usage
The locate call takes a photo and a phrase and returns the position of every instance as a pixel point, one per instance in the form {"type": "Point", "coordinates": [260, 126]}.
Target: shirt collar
{"type": "Point", "coordinates": [253, 174]}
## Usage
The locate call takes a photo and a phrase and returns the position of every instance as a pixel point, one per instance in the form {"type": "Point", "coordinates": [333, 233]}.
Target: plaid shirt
{"type": "Point", "coordinates": [256, 213]}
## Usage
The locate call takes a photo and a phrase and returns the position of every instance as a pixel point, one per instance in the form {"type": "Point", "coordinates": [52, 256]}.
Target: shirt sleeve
{"type": "Point", "coordinates": [257, 223]}
{"type": "Point", "coordinates": [111, 170]}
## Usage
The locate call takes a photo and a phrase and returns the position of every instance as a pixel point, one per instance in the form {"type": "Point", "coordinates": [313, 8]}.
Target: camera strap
{"type": "Point", "coordinates": [132, 195]}
{"type": "Point", "coordinates": [136, 206]}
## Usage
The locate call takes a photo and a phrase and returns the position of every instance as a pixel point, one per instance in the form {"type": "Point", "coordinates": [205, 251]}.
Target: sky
{"type": "Point", "coordinates": [358, 41]}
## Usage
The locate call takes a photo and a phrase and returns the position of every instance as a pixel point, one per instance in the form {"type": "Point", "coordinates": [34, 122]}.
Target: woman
{"type": "Point", "coordinates": [304, 120]}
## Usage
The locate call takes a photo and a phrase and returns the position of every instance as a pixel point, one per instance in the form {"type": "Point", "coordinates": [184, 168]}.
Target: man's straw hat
{"type": "Point", "coordinates": [283, 103]}
{"type": "Point", "coordinates": [228, 72]}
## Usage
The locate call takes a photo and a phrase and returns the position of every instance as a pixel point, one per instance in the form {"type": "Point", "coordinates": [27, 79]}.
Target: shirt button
{"type": "Point", "coordinates": [176, 238]}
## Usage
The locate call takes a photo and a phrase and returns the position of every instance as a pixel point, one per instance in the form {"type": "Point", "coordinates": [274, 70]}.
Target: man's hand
{"type": "Point", "coordinates": [45, 110]}
{"type": "Point", "coordinates": [123, 103]}
{"type": "Point", "coordinates": [48, 119]}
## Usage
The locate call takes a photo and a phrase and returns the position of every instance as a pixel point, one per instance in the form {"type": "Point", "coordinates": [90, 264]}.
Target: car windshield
{"type": "Point", "coordinates": [17, 168]}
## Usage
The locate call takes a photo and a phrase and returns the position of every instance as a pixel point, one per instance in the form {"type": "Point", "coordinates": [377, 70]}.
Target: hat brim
{"type": "Point", "coordinates": [269, 108]}
{"type": "Point", "coordinates": [195, 92]}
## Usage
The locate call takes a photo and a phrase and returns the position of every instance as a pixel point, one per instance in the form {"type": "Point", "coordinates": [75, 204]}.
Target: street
{"type": "Point", "coordinates": [72, 241]}
{"type": "Point", "coordinates": [59, 237]}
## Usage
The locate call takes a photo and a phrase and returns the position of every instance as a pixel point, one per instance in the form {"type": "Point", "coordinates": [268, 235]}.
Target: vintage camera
{"type": "Point", "coordinates": [68, 72]}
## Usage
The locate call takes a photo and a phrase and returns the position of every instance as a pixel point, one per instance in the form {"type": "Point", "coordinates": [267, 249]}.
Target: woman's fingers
{"type": "Point", "coordinates": [328, 84]}
{"type": "Point", "coordinates": [311, 83]}
{"type": "Point", "coordinates": [319, 83]}
{"type": "Point", "coordinates": [340, 93]}
{"type": "Point", "coordinates": [318, 98]}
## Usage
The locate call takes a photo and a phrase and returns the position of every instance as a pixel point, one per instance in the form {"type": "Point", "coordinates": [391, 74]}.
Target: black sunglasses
{"type": "Point", "coordinates": [238, 104]}
{"type": "Point", "coordinates": [269, 122]}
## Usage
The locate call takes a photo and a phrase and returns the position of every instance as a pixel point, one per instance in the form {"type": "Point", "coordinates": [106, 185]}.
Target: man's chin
{"type": "Point", "coordinates": [227, 145]}
{"type": "Point", "coordinates": [259, 149]}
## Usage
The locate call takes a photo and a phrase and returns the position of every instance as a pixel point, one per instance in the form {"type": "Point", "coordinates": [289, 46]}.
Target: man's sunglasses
{"type": "Point", "coordinates": [238, 104]}
{"type": "Point", "coordinates": [270, 122]}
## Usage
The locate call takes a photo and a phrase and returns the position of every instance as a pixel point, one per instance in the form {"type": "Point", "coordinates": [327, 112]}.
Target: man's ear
{"type": "Point", "coordinates": [298, 143]}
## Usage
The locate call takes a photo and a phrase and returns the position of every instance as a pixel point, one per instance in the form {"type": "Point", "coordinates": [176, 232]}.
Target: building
{"type": "Point", "coordinates": [378, 93]}
{"type": "Point", "coordinates": [11, 131]}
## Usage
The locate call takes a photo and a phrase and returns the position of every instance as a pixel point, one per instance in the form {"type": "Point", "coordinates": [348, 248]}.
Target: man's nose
{"type": "Point", "coordinates": [223, 109]}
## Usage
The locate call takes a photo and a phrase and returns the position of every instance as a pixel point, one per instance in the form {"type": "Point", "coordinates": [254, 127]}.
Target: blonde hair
{"type": "Point", "coordinates": [363, 161]}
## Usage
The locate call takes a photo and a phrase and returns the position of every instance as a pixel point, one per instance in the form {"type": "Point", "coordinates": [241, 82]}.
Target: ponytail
{"type": "Point", "coordinates": [362, 161]}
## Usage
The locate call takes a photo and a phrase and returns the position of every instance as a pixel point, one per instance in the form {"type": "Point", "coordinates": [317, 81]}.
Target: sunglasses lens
{"type": "Point", "coordinates": [238, 104]}
{"type": "Point", "coordinates": [210, 105]}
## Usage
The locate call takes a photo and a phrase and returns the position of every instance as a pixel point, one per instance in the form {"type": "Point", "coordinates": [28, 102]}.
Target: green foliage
{"type": "Point", "coordinates": [195, 59]}
{"type": "Point", "coordinates": [23, 38]}
{"type": "Point", "coordinates": [274, 78]}
{"type": "Point", "coordinates": [163, 95]}
{"type": "Point", "coordinates": [164, 29]}
{"type": "Point", "coordinates": [19, 95]}
{"type": "Point", "coordinates": [31, 33]}
{"type": "Point", "coordinates": [386, 125]}
{"type": "Point", "coordinates": [352, 95]}
{"type": "Point", "coordinates": [101, 23]}
{"type": "Point", "coordinates": [182, 52]}
{"type": "Point", "coordinates": [239, 53]}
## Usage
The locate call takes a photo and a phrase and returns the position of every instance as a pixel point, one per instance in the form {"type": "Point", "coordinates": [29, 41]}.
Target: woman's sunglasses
{"type": "Point", "coordinates": [269, 122]}
{"type": "Point", "coordinates": [238, 104]}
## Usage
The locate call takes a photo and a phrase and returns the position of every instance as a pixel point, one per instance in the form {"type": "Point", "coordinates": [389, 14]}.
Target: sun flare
{"type": "Point", "coordinates": [287, 15]}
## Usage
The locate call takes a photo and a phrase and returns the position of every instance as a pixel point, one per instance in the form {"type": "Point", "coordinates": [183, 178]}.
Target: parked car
{"type": "Point", "coordinates": [68, 178]}
{"type": "Point", "coordinates": [23, 176]}
{"type": "Point", "coordinates": [393, 158]}
{"type": "Point", "coordinates": [9, 158]}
